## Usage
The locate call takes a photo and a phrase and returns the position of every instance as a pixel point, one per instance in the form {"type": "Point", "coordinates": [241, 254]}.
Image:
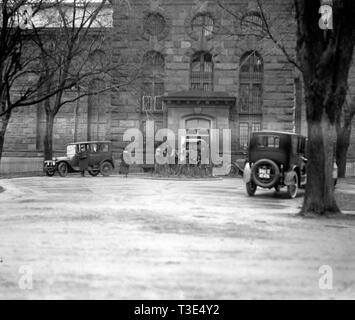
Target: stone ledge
{"type": "Point", "coordinates": [9, 165]}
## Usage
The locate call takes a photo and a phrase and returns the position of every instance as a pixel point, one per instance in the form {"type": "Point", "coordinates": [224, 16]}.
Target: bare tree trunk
{"type": "Point", "coordinates": [48, 138]}
{"type": "Point", "coordinates": [343, 142]}
{"type": "Point", "coordinates": [319, 197]}
{"type": "Point", "coordinates": [4, 121]}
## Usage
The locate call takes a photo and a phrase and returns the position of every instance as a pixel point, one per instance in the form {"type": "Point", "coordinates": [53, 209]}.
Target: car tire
{"type": "Point", "coordinates": [94, 173]}
{"type": "Point", "coordinates": [50, 172]}
{"type": "Point", "coordinates": [63, 169]}
{"type": "Point", "coordinates": [106, 168]}
{"type": "Point", "coordinates": [251, 188]}
{"type": "Point", "coordinates": [293, 188]}
{"type": "Point", "coordinates": [270, 182]}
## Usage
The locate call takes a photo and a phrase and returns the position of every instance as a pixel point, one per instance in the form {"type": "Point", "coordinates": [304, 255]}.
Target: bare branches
{"type": "Point", "coordinates": [268, 31]}
{"type": "Point", "coordinates": [60, 57]}
{"type": "Point", "coordinates": [278, 42]}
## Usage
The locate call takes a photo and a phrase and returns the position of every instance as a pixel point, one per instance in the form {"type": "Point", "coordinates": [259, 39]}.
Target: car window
{"type": "Point", "coordinates": [93, 147]}
{"type": "Point", "coordinates": [264, 141]}
{"type": "Point", "coordinates": [82, 147]}
{"type": "Point", "coordinates": [71, 150]}
{"type": "Point", "coordinates": [104, 147]}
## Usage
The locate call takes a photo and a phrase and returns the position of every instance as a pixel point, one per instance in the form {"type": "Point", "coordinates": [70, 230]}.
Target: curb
{"type": "Point", "coordinates": [183, 179]}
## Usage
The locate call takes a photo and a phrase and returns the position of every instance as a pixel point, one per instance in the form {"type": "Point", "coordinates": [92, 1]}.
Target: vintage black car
{"type": "Point", "coordinates": [275, 160]}
{"type": "Point", "coordinates": [99, 154]}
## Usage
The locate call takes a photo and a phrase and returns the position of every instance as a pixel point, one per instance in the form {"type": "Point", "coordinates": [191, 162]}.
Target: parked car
{"type": "Point", "coordinates": [100, 159]}
{"type": "Point", "coordinates": [275, 160]}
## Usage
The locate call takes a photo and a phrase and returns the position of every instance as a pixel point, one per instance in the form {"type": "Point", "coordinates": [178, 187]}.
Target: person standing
{"type": "Point", "coordinates": [124, 166]}
{"type": "Point", "coordinates": [83, 159]}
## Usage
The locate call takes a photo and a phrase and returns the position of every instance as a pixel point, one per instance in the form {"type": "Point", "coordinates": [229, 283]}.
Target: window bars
{"type": "Point", "coordinates": [203, 25]}
{"type": "Point", "coordinates": [201, 77]}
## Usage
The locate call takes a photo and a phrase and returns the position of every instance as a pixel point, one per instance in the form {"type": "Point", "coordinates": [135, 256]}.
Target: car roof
{"type": "Point", "coordinates": [278, 132]}
{"type": "Point", "coordinates": [85, 142]}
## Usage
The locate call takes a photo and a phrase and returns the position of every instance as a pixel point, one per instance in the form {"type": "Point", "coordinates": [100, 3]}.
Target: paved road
{"type": "Point", "coordinates": [162, 239]}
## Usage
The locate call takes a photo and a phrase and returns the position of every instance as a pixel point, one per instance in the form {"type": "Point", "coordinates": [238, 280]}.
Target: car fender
{"type": "Point", "coordinates": [247, 173]}
{"type": "Point", "coordinates": [289, 176]}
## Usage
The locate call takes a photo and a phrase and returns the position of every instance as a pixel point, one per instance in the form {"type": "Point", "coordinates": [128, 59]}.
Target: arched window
{"type": "Point", "coordinates": [201, 72]}
{"type": "Point", "coordinates": [250, 95]}
{"type": "Point", "coordinates": [153, 86]}
{"type": "Point", "coordinates": [252, 24]}
{"type": "Point", "coordinates": [202, 24]}
{"type": "Point", "coordinates": [97, 102]}
{"type": "Point", "coordinates": [154, 24]}
{"type": "Point", "coordinates": [154, 61]}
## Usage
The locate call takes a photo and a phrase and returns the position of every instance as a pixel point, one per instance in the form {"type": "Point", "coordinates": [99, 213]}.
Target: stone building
{"type": "Point", "coordinates": [202, 68]}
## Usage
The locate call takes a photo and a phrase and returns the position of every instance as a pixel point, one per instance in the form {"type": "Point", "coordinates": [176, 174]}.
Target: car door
{"type": "Point", "coordinates": [94, 155]}
{"type": "Point", "coordinates": [74, 162]}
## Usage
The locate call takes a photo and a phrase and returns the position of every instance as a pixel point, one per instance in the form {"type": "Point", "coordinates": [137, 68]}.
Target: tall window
{"type": "Point", "coordinates": [202, 25]}
{"type": "Point", "coordinates": [202, 72]}
{"type": "Point", "coordinates": [153, 85]}
{"type": "Point", "coordinates": [96, 111]}
{"type": "Point", "coordinates": [250, 95]}
{"type": "Point", "coordinates": [248, 124]}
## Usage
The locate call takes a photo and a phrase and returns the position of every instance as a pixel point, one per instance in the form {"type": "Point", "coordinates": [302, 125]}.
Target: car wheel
{"type": "Point", "coordinates": [50, 172]}
{"type": "Point", "coordinates": [106, 168]}
{"type": "Point", "coordinates": [277, 188]}
{"type": "Point", "coordinates": [251, 188]}
{"type": "Point", "coordinates": [292, 189]}
{"type": "Point", "coordinates": [63, 169]}
{"type": "Point", "coordinates": [271, 177]}
{"type": "Point", "coordinates": [94, 173]}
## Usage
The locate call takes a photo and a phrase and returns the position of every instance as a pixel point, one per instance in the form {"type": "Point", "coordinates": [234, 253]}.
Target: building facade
{"type": "Point", "coordinates": [202, 68]}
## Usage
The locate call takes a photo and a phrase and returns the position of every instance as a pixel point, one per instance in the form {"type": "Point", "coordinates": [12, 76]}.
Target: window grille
{"type": "Point", "coordinates": [152, 95]}
{"type": "Point", "coordinates": [243, 135]}
{"type": "Point", "coordinates": [248, 124]}
{"type": "Point", "coordinates": [153, 87]}
{"type": "Point", "coordinates": [251, 84]}
{"type": "Point", "coordinates": [154, 60]}
{"type": "Point", "coordinates": [252, 24]}
{"type": "Point", "coordinates": [154, 24]}
{"type": "Point", "coordinates": [202, 72]}
{"type": "Point", "coordinates": [97, 120]}
{"type": "Point", "coordinates": [203, 25]}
